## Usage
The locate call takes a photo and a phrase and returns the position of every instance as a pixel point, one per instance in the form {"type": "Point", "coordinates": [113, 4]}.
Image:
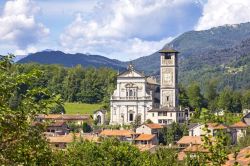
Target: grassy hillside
{"type": "Point", "coordinates": [81, 108]}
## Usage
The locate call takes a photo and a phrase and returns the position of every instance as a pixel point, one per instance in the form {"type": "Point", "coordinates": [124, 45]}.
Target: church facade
{"type": "Point", "coordinates": [135, 95]}
{"type": "Point", "coordinates": [140, 97]}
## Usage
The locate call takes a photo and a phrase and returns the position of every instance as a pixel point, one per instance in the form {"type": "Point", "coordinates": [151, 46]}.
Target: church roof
{"type": "Point", "coordinates": [131, 72]}
{"type": "Point", "coordinates": [164, 109]}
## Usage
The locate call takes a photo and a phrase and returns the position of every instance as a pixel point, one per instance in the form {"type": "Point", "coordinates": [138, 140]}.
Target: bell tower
{"type": "Point", "coordinates": [169, 74]}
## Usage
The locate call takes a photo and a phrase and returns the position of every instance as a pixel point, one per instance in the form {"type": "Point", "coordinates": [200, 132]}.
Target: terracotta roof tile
{"type": "Point", "coordinates": [216, 126]}
{"type": "Point", "coordinates": [70, 138]}
{"type": "Point", "coordinates": [64, 116]}
{"type": "Point", "coordinates": [148, 147]}
{"type": "Point", "coordinates": [239, 125]}
{"type": "Point", "coordinates": [154, 126]}
{"type": "Point", "coordinates": [116, 133]}
{"type": "Point", "coordinates": [190, 140]}
{"type": "Point", "coordinates": [63, 138]}
{"type": "Point", "coordinates": [243, 157]}
{"type": "Point", "coordinates": [57, 123]}
{"type": "Point", "coordinates": [145, 137]}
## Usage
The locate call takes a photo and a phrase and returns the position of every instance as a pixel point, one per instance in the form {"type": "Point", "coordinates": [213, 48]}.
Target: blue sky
{"type": "Point", "coordinates": [120, 29]}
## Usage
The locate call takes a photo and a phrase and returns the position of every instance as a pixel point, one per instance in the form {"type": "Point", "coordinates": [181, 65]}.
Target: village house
{"type": "Point", "coordinates": [57, 128]}
{"type": "Point", "coordinates": [199, 129]}
{"type": "Point", "coordinates": [240, 129]}
{"type": "Point", "coordinates": [186, 141]}
{"type": "Point", "coordinates": [192, 151]}
{"type": "Point", "coordinates": [146, 139]}
{"type": "Point", "coordinates": [61, 141]}
{"type": "Point", "coordinates": [149, 147]}
{"type": "Point", "coordinates": [242, 158]}
{"type": "Point", "coordinates": [122, 135]}
{"type": "Point", "coordinates": [149, 129]}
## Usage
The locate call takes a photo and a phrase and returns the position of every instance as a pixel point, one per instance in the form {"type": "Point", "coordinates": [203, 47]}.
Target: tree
{"type": "Point", "coordinates": [216, 147]}
{"type": "Point", "coordinates": [20, 142]}
{"type": "Point", "coordinates": [137, 122]}
{"type": "Point", "coordinates": [174, 132]}
{"type": "Point", "coordinates": [109, 152]}
{"type": "Point", "coordinates": [211, 95]}
{"type": "Point", "coordinates": [230, 100]}
{"type": "Point", "coordinates": [194, 95]}
{"type": "Point", "coordinates": [246, 100]}
{"type": "Point", "coordinates": [183, 97]}
{"type": "Point", "coordinates": [148, 121]}
{"type": "Point", "coordinates": [86, 127]}
{"type": "Point", "coordinates": [58, 109]}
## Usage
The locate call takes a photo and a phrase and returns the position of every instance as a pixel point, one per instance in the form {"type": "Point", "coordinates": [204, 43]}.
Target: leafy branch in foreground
{"type": "Point", "coordinates": [20, 142]}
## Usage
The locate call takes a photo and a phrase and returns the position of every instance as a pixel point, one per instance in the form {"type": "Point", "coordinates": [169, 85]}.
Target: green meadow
{"type": "Point", "coordinates": [81, 108]}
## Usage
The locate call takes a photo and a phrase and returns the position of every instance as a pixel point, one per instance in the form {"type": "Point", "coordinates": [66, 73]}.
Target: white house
{"type": "Point", "coordinates": [146, 139]}
{"type": "Point", "coordinates": [199, 129]}
{"type": "Point", "coordinates": [149, 129]}
{"type": "Point", "coordinates": [240, 129]}
{"type": "Point", "coordinates": [196, 130]}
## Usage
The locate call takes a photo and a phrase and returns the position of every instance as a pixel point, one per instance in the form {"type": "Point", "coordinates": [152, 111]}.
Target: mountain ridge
{"type": "Point", "coordinates": [200, 51]}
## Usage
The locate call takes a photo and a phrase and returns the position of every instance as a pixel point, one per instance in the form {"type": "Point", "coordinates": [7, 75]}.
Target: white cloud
{"type": "Point", "coordinates": [123, 29]}
{"type": "Point", "coordinates": [18, 24]}
{"type": "Point", "coordinates": [28, 50]}
{"type": "Point", "coordinates": [221, 12]}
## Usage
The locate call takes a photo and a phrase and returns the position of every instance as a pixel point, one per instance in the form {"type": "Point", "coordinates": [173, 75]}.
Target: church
{"type": "Point", "coordinates": [142, 98]}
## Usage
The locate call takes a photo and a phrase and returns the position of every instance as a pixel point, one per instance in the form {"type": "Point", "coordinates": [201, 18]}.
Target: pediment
{"type": "Point", "coordinates": [131, 73]}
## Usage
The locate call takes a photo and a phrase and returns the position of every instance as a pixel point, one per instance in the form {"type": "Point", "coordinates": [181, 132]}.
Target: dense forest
{"type": "Point", "coordinates": [76, 84]}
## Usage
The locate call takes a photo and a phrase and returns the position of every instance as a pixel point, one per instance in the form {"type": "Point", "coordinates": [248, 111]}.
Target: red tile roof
{"type": "Point", "coordinates": [57, 124]}
{"type": "Point", "coordinates": [148, 147]}
{"type": "Point", "coordinates": [216, 126]}
{"type": "Point", "coordinates": [64, 116]}
{"type": "Point", "coordinates": [145, 137]}
{"type": "Point", "coordinates": [154, 126]}
{"type": "Point", "coordinates": [117, 133]}
{"type": "Point", "coordinates": [190, 140]}
{"type": "Point", "coordinates": [70, 138]}
{"type": "Point", "coordinates": [63, 138]}
{"type": "Point", "coordinates": [243, 157]}
{"type": "Point", "coordinates": [239, 125]}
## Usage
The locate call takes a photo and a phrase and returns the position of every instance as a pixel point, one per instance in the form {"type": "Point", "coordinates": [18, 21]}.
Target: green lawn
{"type": "Point", "coordinates": [81, 108]}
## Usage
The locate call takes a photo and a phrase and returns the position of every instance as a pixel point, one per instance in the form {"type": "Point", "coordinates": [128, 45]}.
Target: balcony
{"type": "Point", "coordinates": [131, 98]}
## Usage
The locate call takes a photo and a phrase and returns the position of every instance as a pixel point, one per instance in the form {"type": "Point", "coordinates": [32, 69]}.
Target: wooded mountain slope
{"type": "Point", "coordinates": [205, 55]}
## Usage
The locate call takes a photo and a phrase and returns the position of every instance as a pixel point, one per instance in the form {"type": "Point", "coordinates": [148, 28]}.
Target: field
{"type": "Point", "coordinates": [81, 108]}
